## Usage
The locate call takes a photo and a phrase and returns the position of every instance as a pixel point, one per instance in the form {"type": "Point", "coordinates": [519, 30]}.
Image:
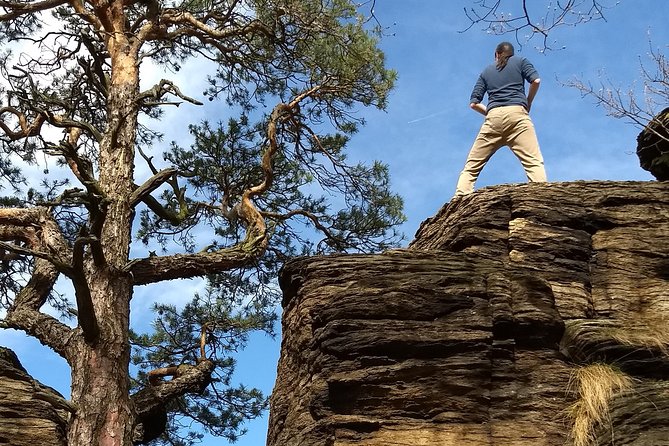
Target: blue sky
{"type": "Point", "coordinates": [428, 128]}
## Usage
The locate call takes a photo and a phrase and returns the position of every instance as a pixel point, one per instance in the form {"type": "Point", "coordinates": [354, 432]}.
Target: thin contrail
{"type": "Point", "coordinates": [428, 116]}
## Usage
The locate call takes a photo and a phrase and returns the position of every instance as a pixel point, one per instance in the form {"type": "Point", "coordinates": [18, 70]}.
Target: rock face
{"type": "Point", "coordinates": [477, 332]}
{"type": "Point", "coordinates": [653, 146]}
{"type": "Point", "coordinates": [31, 414]}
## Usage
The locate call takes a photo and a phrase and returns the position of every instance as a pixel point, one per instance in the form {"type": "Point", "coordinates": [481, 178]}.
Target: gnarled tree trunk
{"type": "Point", "coordinates": [100, 381]}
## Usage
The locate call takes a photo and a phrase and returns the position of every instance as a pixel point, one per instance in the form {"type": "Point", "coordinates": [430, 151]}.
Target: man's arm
{"type": "Point", "coordinates": [477, 96]}
{"type": "Point", "coordinates": [534, 87]}
{"type": "Point", "coordinates": [478, 107]}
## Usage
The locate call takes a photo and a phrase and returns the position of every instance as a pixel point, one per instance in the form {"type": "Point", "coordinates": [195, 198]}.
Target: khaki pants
{"type": "Point", "coordinates": [503, 126]}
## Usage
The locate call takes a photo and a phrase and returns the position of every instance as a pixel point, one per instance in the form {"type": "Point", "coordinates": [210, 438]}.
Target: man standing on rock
{"type": "Point", "coordinates": [507, 120]}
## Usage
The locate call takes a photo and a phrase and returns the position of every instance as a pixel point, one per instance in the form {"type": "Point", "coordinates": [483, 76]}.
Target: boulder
{"type": "Point", "coordinates": [477, 332]}
{"type": "Point", "coordinates": [31, 413]}
{"type": "Point", "coordinates": [653, 146]}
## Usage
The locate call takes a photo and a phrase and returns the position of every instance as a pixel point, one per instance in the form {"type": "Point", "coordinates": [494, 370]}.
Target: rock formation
{"type": "Point", "coordinates": [31, 414]}
{"type": "Point", "coordinates": [520, 315]}
{"type": "Point", "coordinates": [653, 146]}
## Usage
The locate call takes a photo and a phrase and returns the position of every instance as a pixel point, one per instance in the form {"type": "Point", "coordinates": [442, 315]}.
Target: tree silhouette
{"type": "Point", "coordinates": [643, 105]}
{"type": "Point", "coordinates": [528, 20]}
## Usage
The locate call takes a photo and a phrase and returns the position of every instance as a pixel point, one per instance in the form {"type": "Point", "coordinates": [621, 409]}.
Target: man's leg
{"type": "Point", "coordinates": [522, 140]}
{"type": "Point", "coordinates": [485, 145]}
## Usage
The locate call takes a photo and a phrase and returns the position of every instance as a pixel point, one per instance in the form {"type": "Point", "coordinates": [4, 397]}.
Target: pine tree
{"type": "Point", "coordinates": [246, 194]}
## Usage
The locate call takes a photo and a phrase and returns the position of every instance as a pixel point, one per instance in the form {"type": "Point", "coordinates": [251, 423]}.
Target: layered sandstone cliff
{"type": "Point", "coordinates": [520, 315]}
{"type": "Point", "coordinates": [31, 414]}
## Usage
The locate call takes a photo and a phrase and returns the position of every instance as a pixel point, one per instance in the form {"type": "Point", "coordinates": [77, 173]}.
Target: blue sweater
{"type": "Point", "coordinates": [505, 87]}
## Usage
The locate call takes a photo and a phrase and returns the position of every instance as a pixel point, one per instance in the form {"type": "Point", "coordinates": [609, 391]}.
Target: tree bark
{"type": "Point", "coordinates": [100, 381]}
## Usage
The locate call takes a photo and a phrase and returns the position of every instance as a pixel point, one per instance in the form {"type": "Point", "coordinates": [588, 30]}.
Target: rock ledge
{"type": "Point", "coordinates": [473, 334]}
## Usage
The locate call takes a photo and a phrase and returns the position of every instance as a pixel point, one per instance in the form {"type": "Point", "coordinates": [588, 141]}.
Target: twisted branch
{"type": "Point", "coordinates": [26, 130]}
{"type": "Point", "coordinates": [46, 243]}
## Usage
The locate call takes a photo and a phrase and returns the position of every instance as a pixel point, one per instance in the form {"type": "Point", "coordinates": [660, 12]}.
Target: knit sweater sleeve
{"type": "Point", "coordinates": [478, 92]}
{"type": "Point", "coordinates": [530, 74]}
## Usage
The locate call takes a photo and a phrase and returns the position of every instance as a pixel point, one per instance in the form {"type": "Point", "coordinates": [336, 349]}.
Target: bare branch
{"type": "Point", "coordinates": [25, 130]}
{"type": "Point", "coordinates": [156, 376]}
{"type": "Point", "coordinates": [496, 20]}
{"type": "Point", "coordinates": [63, 122]}
{"type": "Point", "coordinates": [158, 209]}
{"type": "Point", "coordinates": [24, 313]}
{"type": "Point", "coordinates": [153, 183]}
{"type": "Point", "coordinates": [182, 266]}
{"type": "Point", "coordinates": [280, 114]}
{"type": "Point", "coordinates": [45, 243]}
{"type": "Point", "coordinates": [85, 311]}
{"type": "Point", "coordinates": [62, 267]}
{"type": "Point", "coordinates": [37, 290]}
{"type": "Point", "coordinates": [639, 107]}
{"type": "Point", "coordinates": [17, 9]}
{"type": "Point", "coordinates": [153, 204]}
{"type": "Point", "coordinates": [48, 242]}
{"type": "Point", "coordinates": [192, 24]}
{"type": "Point", "coordinates": [301, 212]}
{"type": "Point", "coordinates": [151, 400]}
{"type": "Point", "coordinates": [47, 329]}
{"type": "Point", "coordinates": [26, 235]}
{"type": "Point", "coordinates": [162, 88]}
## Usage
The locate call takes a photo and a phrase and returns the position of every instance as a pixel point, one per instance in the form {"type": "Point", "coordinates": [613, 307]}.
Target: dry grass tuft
{"type": "Point", "coordinates": [647, 331]}
{"type": "Point", "coordinates": [596, 385]}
